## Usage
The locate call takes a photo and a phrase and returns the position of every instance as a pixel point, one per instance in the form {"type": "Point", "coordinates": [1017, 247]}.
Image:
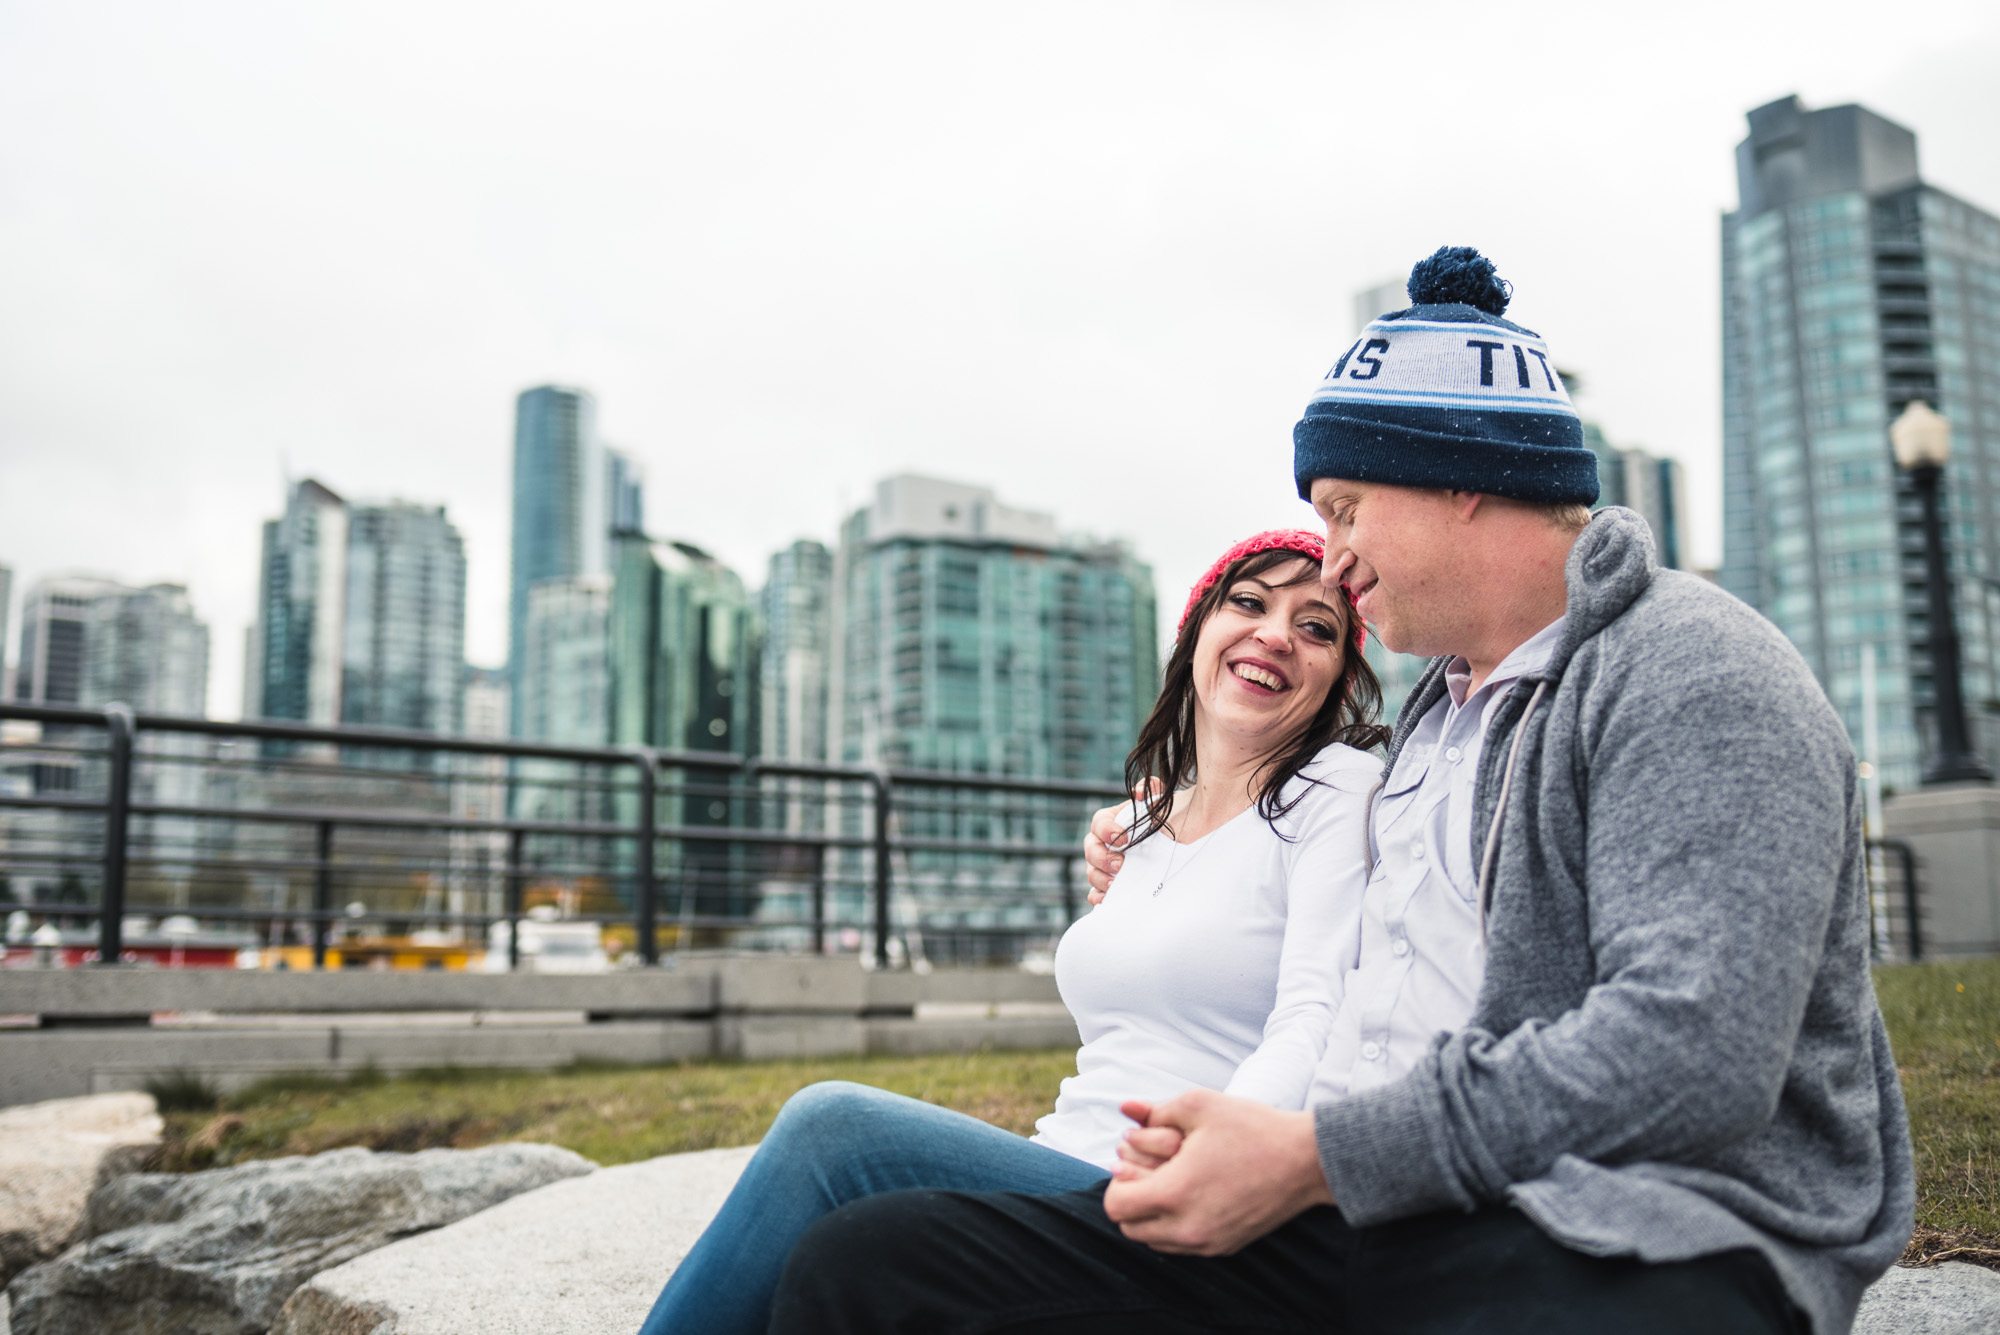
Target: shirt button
{"type": "Point", "coordinates": [1453, 754]}
{"type": "Point", "coordinates": [1400, 946]}
{"type": "Point", "coordinates": [1371, 1051]}
{"type": "Point", "coordinates": [1417, 850]}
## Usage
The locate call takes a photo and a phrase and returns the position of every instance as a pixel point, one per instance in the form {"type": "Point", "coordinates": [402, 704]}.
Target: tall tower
{"type": "Point", "coordinates": [559, 506]}
{"type": "Point", "coordinates": [292, 668]}
{"type": "Point", "coordinates": [797, 651]}
{"type": "Point", "coordinates": [1849, 288]}
{"type": "Point", "coordinates": [571, 494]}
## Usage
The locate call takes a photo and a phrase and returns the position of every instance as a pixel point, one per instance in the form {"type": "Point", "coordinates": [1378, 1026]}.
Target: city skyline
{"type": "Point", "coordinates": [1145, 232]}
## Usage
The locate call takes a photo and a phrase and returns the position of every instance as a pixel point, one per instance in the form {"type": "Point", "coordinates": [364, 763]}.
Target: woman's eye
{"type": "Point", "coordinates": [1249, 602]}
{"type": "Point", "coordinates": [1319, 630]}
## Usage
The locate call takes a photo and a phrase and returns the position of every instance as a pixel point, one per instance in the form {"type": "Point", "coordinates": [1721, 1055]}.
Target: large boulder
{"type": "Point", "coordinates": [217, 1253]}
{"type": "Point", "coordinates": [577, 1258]}
{"type": "Point", "coordinates": [1950, 1299]}
{"type": "Point", "coordinates": [52, 1156]}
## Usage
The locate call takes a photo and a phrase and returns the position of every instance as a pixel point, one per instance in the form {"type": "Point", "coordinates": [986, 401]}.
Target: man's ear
{"type": "Point", "coordinates": [1465, 504]}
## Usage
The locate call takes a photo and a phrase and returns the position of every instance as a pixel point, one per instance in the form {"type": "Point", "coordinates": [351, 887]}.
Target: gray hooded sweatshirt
{"type": "Point", "coordinates": [1676, 1050]}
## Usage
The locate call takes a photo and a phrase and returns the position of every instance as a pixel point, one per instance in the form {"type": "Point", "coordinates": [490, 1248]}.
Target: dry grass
{"type": "Point", "coordinates": [1944, 1024]}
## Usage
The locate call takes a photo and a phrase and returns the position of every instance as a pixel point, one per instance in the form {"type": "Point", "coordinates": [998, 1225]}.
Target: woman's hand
{"type": "Point", "coordinates": [1145, 1147]}
{"type": "Point", "coordinates": [1107, 836]}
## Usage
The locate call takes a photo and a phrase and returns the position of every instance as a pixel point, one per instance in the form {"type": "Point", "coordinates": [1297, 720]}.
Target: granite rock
{"type": "Point", "coordinates": [1949, 1299]}
{"type": "Point", "coordinates": [52, 1156]}
{"type": "Point", "coordinates": [217, 1253]}
{"type": "Point", "coordinates": [585, 1257]}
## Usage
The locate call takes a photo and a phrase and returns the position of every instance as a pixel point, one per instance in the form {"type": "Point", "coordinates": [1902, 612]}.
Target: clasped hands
{"type": "Point", "coordinates": [1203, 1174]}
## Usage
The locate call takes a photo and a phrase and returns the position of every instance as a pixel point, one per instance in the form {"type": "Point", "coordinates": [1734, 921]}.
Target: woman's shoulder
{"type": "Point", "coordinates": [1332, 784]}
{"type": "Point", "coordinates": [1339, 767]}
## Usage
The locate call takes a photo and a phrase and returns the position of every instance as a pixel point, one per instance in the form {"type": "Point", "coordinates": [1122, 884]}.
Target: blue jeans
{"type": "Point", "coordinates": [834, 1143]}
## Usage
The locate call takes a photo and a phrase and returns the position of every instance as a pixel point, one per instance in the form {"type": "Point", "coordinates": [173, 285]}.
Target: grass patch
{"type": "Point", "coordinates": [182, 1091]}
{"type": "Point", "coordinates": [611, 1114]}
{"type": "Point", "coordinates": [1944, 1026]}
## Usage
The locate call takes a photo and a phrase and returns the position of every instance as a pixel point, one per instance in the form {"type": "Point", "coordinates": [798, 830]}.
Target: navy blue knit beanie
{"type": "Point", "coordinates": [1448, 394]}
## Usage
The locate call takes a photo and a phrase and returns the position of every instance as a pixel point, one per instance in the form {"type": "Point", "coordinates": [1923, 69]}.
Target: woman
{"type": "Point", "coordinates": [1214, 958]}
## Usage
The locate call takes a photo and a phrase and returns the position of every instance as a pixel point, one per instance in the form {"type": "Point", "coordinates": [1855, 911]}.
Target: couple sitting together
{"type": "Point", "coordinates": [1557, 1020]}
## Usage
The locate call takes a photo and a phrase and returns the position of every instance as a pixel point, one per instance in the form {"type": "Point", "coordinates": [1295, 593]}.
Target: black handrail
{"type": "Point", "coordinates": [122, 727]}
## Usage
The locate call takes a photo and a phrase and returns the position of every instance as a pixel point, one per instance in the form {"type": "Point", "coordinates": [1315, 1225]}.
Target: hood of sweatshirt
{"type": "Point", "coordinates": [1612, 563]}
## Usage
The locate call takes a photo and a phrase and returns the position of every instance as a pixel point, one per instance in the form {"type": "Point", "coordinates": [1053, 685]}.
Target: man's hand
{"type": "Point", "coordinates": [1107, 835]}
{"type": "Point", "coordinates": [1239, 1170]}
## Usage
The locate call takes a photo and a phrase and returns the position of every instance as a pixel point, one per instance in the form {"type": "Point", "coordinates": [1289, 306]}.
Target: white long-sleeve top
{"type": "Point", "coordinates": [1218, 962]}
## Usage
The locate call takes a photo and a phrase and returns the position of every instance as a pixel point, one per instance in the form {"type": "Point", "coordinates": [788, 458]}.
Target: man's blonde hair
{"type": "Point", "coordinates": [1564, 516]}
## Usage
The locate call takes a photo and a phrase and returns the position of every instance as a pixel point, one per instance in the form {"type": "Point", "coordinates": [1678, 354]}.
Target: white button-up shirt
{"type": "Point", "coordinates": [1421, 958]}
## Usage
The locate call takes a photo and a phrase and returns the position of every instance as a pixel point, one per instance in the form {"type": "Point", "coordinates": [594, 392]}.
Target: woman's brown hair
{"type": "Point", "coordinates": [1165, 749]}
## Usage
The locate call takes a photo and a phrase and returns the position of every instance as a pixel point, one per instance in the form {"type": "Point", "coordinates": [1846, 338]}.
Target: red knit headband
{"type": "Point", "coordinates": [1303, 541]}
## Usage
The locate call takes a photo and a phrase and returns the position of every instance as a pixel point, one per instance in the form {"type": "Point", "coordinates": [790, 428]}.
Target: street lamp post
{"type": "Point", "coordinates": [1921, 438]}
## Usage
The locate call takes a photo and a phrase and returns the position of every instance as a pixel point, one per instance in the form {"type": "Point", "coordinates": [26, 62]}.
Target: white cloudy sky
{"type": "Point", "coordinates": [1092, 254]}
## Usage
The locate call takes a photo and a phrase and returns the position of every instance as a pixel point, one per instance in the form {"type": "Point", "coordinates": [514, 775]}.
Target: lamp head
{"type": "Point", "coordinates": [1920, 436]}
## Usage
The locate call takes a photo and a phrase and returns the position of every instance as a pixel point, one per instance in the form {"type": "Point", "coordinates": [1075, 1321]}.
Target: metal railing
{"type": "Point", "coordinates": [1893, 863]}
{"type": "Point", "coordinates": [700, 846]}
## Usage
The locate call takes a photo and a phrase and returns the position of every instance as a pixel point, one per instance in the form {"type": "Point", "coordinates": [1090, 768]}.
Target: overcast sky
{"type": "Point", "coordinates": [1095, 255]}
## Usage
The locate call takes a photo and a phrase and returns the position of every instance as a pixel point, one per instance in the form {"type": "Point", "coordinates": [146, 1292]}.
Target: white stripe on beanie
{"type": "Point", "coordinates": [1499, 367]}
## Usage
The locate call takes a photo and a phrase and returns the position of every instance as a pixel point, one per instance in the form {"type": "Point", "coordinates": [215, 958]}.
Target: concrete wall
{"type": "Point", "coordinates": [1956, 834]}
{"type": "Point", "coordinates": [87, 1031]}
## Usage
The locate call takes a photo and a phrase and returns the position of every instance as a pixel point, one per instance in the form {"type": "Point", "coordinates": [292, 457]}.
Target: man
{"type": "Point", "coordinates": [1609, 1058]}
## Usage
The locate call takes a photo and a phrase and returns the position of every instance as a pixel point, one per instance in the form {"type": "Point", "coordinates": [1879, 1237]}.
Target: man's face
{"type": "Point", "coordinates": [1398, 550]}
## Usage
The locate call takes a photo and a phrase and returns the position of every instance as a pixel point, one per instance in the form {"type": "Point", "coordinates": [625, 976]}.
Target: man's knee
{"type": "Point", "coordinates": [841, 1261]}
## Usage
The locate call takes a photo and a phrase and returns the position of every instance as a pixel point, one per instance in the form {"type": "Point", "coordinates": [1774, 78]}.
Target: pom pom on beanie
{"type": "Point", "coordinates": [1448, 394]}
{"type": "Point", "coordinates": [1461, 274]}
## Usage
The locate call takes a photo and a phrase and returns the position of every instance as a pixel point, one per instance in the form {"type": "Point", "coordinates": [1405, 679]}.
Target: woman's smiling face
{"type": "Point", "coordinates": [1268, 654]}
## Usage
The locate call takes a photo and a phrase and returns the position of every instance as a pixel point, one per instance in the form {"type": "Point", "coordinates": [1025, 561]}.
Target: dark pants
{"type": "Point", "coordinates": [957, 1263]}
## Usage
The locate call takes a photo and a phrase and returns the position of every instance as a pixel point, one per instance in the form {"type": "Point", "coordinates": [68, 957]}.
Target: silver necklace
{"type": "Point", "coordinates": [1173, 853]}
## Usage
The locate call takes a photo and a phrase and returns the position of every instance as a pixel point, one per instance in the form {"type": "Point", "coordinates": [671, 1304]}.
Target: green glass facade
{"type": "Point", "coordinates": [1001, 652]}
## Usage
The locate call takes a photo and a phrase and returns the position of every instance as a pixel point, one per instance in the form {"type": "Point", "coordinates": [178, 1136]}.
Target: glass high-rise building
{"type": "Point", "coordinates": [1850, 287]}
{"type": "Point", "coordinates": [798, 644]}
{"type": "Point", "coordinates": [685, 643]}
{"type": "Point", "coordinates": [360, 616]}
{"type": "Point", "coordinates": [292, 661]}
{"type": "Point", "coordinates": [970, 637]}
{"type": "Point", "coordinates": [403, 643]}
{"type": "Point", "coordinates": [570, 495]}
{"type": "Point", "coordinates": [565, 681]}
{"type": "Point", "coordinates": [93, 642]}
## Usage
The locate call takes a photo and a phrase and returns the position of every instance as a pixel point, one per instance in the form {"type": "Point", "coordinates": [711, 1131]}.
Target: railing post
{"type": "Point", "coordinates": [1914, 921]}
{"type": "Point", "coordinates": [819, 899]}
{"type": "Point", "coordinates": [322, 893]}
{"type": "Point", "coordinates": [881, 784]}
{"type": "Point", "coordinates": [118, 729]}
{"type": "Point", "coordinates": [646, 908]}
{"type": "Point", "coordinates": [517, 847]}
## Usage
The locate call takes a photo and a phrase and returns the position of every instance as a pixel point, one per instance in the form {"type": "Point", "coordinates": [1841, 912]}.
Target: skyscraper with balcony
{"type": "Point", "coordinates": [570, 495]}
{"type": "Point", "coordinates": [1850, 286]}
{"type": "Point", "coordinates": [970, 637]}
